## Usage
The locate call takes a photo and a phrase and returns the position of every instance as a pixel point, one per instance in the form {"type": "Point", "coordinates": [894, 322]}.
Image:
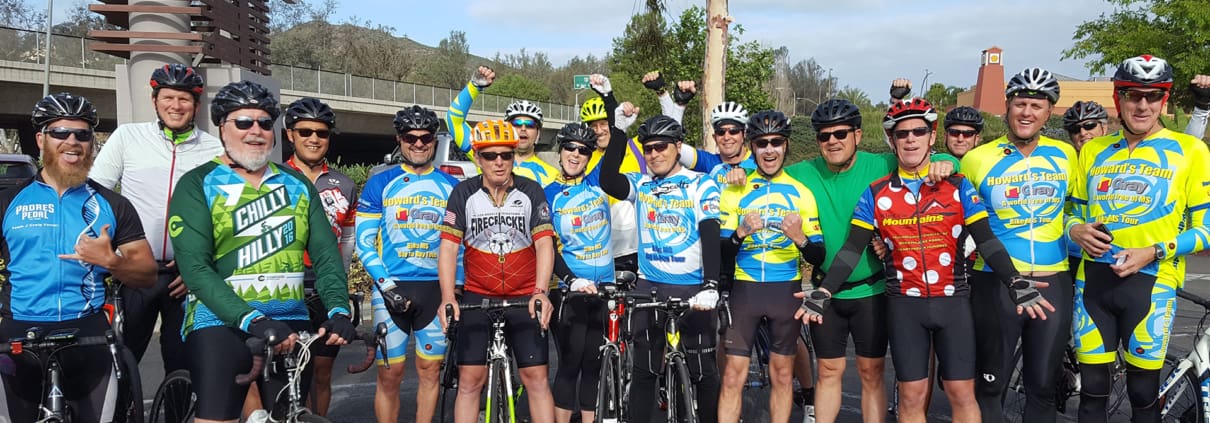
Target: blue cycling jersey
{"type": "Point", "coordinates": [580, 214]}
{"type": "Point", "coordinates": [713, 165]}
{"type": "Point", "coordinates": [668, 212]}
{"type": "Point", "coordinates": [768, 255]}
{"type": "Point", "coordinates": [399, 216]}
{"type": "Point", "coordinates": [38, 225]}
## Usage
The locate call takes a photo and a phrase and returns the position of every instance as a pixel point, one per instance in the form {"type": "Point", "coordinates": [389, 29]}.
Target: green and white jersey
{"type": "Point", "coordinates": [240, 248]}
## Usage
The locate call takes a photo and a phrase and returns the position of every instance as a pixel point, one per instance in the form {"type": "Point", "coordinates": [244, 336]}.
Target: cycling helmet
{"type": "Point", "coordinates": [416, 117]}
{"type": "Point", "coordinates": [965, 115]}
{"type": "Point", "coordinates": [768, 122]}
{"type": "Point", "coordinates": [836, 111]}
{"type": "Point", "coordinates": [242, 95]}
{"type": "Point", "coordinates": [1033, 83]}
{"type": "Point", "coordinates": [63, 106]}
{"type": "Point", "coordinates": [908, 109]}
{"type": "Point", "coordinates": [1082, 111]}
{"type": "Point", "coordinates": [593, 110]}
{"type": "Point", "coordinates": [1143, 71]}
{"type": "Point", "coordinates": [177, 77]}
{"type": "Point", "coordinates": [309, 108]}
{"type": "Point", "coordinates": [523, 108]}
{"type": "Point", "coordinates": [662, 128]}
{"type": "Point", "coordinates": [576, 132]}
{"type": "Point", "coordinates": [493, 133]}
{"type": "Point", "coordinates": [729, 112]}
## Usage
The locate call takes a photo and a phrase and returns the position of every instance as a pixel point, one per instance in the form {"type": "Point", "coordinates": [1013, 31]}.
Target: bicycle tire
{"type": "Point", "coordinates": [1013, 401]}
{"type": "Point", "coordinates": [174, 399]}
{"type": "Point", "coordinates": [311, 418]}
{"type": "Point", "coordinates": [497, 408]}
{"type": "Point", "coordinates": [130, 390]}
{"type": "Point", "coordinates": [1183, 398]}
{"type": "Point", "coordinates": [682, 391]}
{"type": "Point", "coordinates": [1117, 394]}
{"type": "Point", "coordinates": [609, 393]}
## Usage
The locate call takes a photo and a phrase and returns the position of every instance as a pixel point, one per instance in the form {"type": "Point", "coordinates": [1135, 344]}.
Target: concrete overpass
{"type": "Point", "coordinates": [364, 106]}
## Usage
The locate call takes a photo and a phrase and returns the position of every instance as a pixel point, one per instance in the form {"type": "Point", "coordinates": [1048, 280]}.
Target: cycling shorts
{"type": "Point", "coordinates": [862, 318]}
{"type": "Point", "coordinates": [217, 355]}
{"type": "Point", "coordinates": [752, 301]}
{"type": "Point", "coordinates": [946, 323]}
{"type": "Point", "coordinates": [1135, 311]}
{"type": "Point", "coordinates": [522, 333]}
{"type": "Point", "coordinates": [420, 320]}
{"type": "Point", "coordinates": [318, 315]}
{"type": "Point", "coordinates": [89, 388]}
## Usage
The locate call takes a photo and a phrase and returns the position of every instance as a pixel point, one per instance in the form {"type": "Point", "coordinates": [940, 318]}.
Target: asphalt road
{"type": "Point", "coordinates": [352, 394]}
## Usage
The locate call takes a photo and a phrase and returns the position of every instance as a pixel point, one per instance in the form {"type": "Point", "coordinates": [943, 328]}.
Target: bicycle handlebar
{"type": "Point", "coordinates": [19, 346]}
{"type": "Point", "coordinates": [1194, 298]}
{"type": "Point", "coordinates": [489, 305]}
{"type": "Point", "coordinates": [375, 342]}
{"type": "Point", "coordinates": [259, 348]}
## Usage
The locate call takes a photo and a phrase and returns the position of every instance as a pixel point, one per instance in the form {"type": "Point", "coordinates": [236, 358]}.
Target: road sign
{"type": "Point", "coordinates": [579, 82]}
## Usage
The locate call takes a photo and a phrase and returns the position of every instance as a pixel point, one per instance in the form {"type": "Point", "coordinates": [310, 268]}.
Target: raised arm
{"type": "Point", "coordinates": [455, 116]}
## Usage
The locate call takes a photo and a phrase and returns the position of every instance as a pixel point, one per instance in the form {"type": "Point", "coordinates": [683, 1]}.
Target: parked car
{"type": "Point", "coordinates": [449, 159]}
{"type": "Point", "coordinates": [15, 168]}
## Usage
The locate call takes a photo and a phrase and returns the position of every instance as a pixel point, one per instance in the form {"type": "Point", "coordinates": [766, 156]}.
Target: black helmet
{"type": "Point", "coordinates": [416, 117]}
{"type": "Point", "coordinates": [577, 132]}
{"type": "Point", "coordinates": [768, 122]}
{"type": "Point", "coordinates": [177, 77]}
{"type": "Point", "coordinates": [242, 95]}
{"type": "Point", "coordinates": [836, 111]}
{"type": "Point", "coordinates": [661, 127]}
{"type": "Point", "coordinates": [309, 108]}
{"type": "Point", "coordinates": [1082, 111]}
{"type": "Point", "coordinates": [63, 106]}
{"type": "Point", "coordinates": [965, 115]}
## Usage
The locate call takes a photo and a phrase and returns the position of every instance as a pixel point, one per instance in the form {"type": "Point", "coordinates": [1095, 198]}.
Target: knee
{"type": "Point", "coordinates": [913, 393]}
{"type": "Point", "coordinates": [736, 371]}
{"type": "Point", "coordinates": [1142, 386]}
{"type": "Point", "coordinates": [389, 377]}
{"type": "Point", "coordinates": [470, 381]}
{"type": "Point", "coordinates": [1095, 380]}
{"type": "Point", "coordinates": [428, 370]}
{"type": "Point", "coordinates": [323, 372]}
{"type": "Point", "coordinates": [871, 370]}
{"type": "Point", "coordinates": [831, 368]}
{"type": "Point", "coordinates": [534, 377]}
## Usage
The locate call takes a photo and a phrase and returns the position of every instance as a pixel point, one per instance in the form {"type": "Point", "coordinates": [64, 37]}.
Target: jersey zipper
{"type": "Point", "coordinates": [920, 236]}
{"type": "Point", "coordinates": [171, 184]}
{"type": "Point", "coordinates": [59, 240]}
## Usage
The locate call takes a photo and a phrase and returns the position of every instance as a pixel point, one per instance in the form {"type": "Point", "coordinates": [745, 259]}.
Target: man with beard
{"type": "Point", "coordinates": [524, 116]}
{"type": "Point", "coordinates": [147, 160]}
{"type": "Point", "coordinates": [241, 226]}
{"type": "Point", "coordinates": [1023, 177]}
{"type": "Point", "coordinates": [398, 241]}
{"type": "Point", "coordinates": [60, 231]}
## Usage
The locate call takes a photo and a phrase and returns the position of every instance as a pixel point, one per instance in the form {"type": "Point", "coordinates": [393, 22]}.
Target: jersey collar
{"type": "Point", "coordinates": [322, 170]}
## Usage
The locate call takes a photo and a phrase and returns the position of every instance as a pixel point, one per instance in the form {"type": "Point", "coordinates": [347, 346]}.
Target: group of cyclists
{"type": "Point", "coordinates": [949, 260]}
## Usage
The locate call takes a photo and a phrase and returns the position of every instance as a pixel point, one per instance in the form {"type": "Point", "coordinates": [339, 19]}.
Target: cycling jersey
{"type": "Point", "coordinates": [148, 165]}
{"type": "Point", "coordinates": [38, 225]}
{"type": "Point", "coordinates": [924, 226]}
{"type": "Point", "coordinates": [580, 215]}
{"type": "Point", "coordinates": [768, 255]}
{"type": "Point", "coordinates": [668, 211]}
{"type": "Point", "coordinates": [1157, 194]}
{"type": "Point", "coordinates": [399, 218]}
{"type": "Point", "coordinates": [632, 162]}
{"type": "Point", "coordinates": [336, 196]}
{"type": "Point", "coordinates": [1025, 197]}
{"type": "Point", "coordinates": [500, 258]}
{"type": "Point", "coordinates": [712, 164]}
{"type": "Point", "coordinates": [533, 167]}
{"type": "Point", "coordinates": [242, 247]}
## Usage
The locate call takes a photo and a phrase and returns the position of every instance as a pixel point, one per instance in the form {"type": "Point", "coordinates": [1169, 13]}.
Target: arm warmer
{"type": "Point", "coordinates": [711, 254]}
{"type": "Point", "coordinates": [992, 250]}
{"type": "Point", "coordinates": [612, 181]}
{"type": "Point", "coordinates": [847, 258]}
{"type": "Point", "coordinates": [813, 253]}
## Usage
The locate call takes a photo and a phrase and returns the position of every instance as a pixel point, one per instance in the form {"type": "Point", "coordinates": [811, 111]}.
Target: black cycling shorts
{"type": "Point", "coordinates": [752, 301]}
{"type": "Point", "coordinates": [862, 318]}
{"type": "Point", "coordinates": [86, 372]}
{"type": "Point", "coordinates": [522, 333]}
{"type": "Point", "coordinates": [217, 355]}
{"type": "Point", "coordinates": [946, 322]}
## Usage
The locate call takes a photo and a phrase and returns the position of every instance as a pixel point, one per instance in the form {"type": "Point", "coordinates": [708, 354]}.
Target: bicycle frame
{"type": "Point", "coordinates": [46, 350]}
{"type": "Point", "coordinates": [294, 363]}
{"type": "Point", "coordinates": [1197, 360]}
{"type": "Point", "coordinates": [673, 309]}
{"type": "Point", "coordinates": [497, 352]}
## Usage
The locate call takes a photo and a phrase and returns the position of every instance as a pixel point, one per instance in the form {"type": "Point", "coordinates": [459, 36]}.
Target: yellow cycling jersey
{"type": "Point", "coordinates": [632, 162]}
{"type": "Point", "coordinates": [768, 255]}
{"type": "Point", "coordinates": [1154, 194]}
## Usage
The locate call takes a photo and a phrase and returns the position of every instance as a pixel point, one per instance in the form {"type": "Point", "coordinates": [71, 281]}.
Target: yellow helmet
{"type": "Point", "coordinates": [593, 109]}
{"type": "Point", "coordinates": [493, 133]}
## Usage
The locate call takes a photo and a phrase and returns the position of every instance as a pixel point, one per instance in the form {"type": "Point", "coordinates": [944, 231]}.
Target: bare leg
{"type": "Point", "coordinates": [961, 394]}
{"type": "Point", "coordinates": [386, 393]}
{"type": "Point", "coordinates": [730, 398]}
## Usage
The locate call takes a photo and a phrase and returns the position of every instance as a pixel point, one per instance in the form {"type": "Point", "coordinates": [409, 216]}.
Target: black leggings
{"type": "Point", "coordinates": [219, 355]}
{"type": "Point", "coordinates": [579, 334]}
{"type": "Point", "coordinates": [143, 306]}
{"type": "Point", "coordinates": [1142, 387]}
{"type": "Point", "coordinates": [699, 333]}
{"type": "Point", "coordinates": [998, 327]}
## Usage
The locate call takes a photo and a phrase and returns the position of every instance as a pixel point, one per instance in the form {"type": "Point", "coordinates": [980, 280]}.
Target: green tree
{"type": "Point", "coordinates": [1176, 30]}
{"type": "Point", "coordinates": [450, 67]}
{"type": "Point", "coordinates": [942, 96]}
{"type": "Point", "coordinates": [516, 85]}
{"type": "Point", "coordinates": [856, 96]}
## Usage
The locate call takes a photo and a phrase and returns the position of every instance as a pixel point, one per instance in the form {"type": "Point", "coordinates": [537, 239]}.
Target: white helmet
{"type": "Point", "coordinates": [523, 108]}
{"type": "Point", "coordinates": [729, 111]}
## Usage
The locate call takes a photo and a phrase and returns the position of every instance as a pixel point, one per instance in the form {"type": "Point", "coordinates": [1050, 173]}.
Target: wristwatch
{"type": "Point", "coordinates": [1159, 252]}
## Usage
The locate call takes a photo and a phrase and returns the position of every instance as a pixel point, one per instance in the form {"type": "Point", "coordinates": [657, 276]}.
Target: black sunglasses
{"type": "Point", "coordinates": [1135, 95]}
{"type": "Point", "coordinates": [903, 133]}
{"type": "Point", "coordinates": [962, 133]}
{"type": "Point", "coordinates": [82, 135]}
{"type": "Point", "coordinates": [491, 156]}
{"type": "Point", "coordinates": [766, 142]}
{"type": "Point", "coordinates": [839, 134]}
{"type": "Point", "coordinates": [583, 150]}
{"type": "Point", "coordinates": [306, 133]}
{"type": "Point", "coordinates": [657, 147]}
{"type": "Point", "coordinates": [733, 131]}
{"type": "Point", "coordinates": [411, 139]}
{"type": "Point", "coordinates": [244, 123]}
{"type": "Point", "coordinates": [1087, 126]}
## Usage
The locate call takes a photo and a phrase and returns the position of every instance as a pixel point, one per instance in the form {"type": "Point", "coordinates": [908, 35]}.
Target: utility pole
{"type": "Point", "coordinates": [714, 71]}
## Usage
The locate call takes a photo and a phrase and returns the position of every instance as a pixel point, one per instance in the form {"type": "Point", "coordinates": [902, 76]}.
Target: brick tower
{"type": "Point", "coordinates": [989, 90]}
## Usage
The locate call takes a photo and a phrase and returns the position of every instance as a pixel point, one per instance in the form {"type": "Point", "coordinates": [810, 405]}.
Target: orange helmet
{"type": "Point", "coordinates": [493, 133]}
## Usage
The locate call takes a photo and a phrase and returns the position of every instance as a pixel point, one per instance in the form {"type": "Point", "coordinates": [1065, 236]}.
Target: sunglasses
{"type": "Point", "coordinates": [411, 139]}
{"type": "Point", "coordinates": [244, 123]}
{"type": "Point", "coordinates": [1135, 96]}
{"type": "Point", "coordinates": [525, 123]}
{"type": "Point", "coordinates": [839, 134]}
{"type": "Point", "coordinates": [766, 142]}
{"type": "Point", "coordinates": [582, 150]}
{"type": "Point", "coordinates": [657, 147]}
{"type": "Point", "coordinates": [491, 156]}
{"type": "Point", "coordinates": [733, 131]}
{"type": "Point", "coordinates": [903, 133]}
{"type": "Point", "coordinates": [1087, 126]}
{"type": "Point", "coordinates": [306, 133]}
{"type": "Point", "coordinates": [82, 135]}
{"type": "Point", "coordinates": [962, 133]}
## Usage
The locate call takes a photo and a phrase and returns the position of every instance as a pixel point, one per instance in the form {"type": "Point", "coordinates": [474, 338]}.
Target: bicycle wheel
{"type": "Point", "coordinates": [1181, 403]}
{"type": "Point", "coordinates": [1013, 400]}
{"type": "Point", "coordinates": [174, 399]}
{"type": "Point", "coordinates": [1119, 401]}
{"type": "Point", "coordinates": [498, 408]}
{"type": "Point", "coordinates": [130, 390]}
{"type": "Point", "coordinates": [311, 418]}
{"type": "Point", "coordinates": [609, 392]}
{"type": "Point", "coordinates": [681, 391]}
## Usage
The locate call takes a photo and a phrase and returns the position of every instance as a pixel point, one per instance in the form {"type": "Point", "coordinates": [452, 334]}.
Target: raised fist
{"type": "Point", "coordinates": [483, 77]}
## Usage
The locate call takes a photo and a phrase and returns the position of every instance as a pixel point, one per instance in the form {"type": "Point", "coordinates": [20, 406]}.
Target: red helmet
{"type": "Point", "coordinates": [908, 109]}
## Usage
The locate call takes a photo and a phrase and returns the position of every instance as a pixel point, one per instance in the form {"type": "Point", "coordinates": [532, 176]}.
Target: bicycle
{"type": "Point", "coordinates": [613, 387]}
{"type": "Point", "coordinates": [682, 402]}
{"type": "Point", "coordinates": [1186, 389]}
{"type": "Point", "coordinates": [45, 348]}
{"type": "Point", "coordinates": [501, 400]}
{"type": "Point", "coordinates": [1069, 386]}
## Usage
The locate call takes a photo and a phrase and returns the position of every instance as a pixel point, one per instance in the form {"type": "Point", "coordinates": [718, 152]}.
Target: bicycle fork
{"type": "Point", "coordinates": [496, 361]}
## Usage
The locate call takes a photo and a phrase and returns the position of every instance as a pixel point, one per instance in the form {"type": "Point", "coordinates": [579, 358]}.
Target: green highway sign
{"type": "Point", "coordinates": [579, 82]}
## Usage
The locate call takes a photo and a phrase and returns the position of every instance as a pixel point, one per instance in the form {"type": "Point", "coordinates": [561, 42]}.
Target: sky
{"type": "Point", "coordinates": [866, 43]}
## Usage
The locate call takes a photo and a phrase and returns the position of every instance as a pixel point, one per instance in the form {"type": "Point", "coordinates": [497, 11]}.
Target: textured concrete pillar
{"type": "Point", "coordinates": [133, 93]}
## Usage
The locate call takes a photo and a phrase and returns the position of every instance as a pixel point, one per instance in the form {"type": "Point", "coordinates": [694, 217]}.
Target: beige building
{"type": "Point", "coordinates": [988, 93]}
